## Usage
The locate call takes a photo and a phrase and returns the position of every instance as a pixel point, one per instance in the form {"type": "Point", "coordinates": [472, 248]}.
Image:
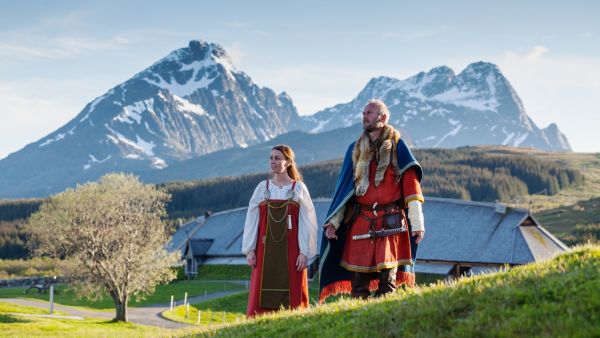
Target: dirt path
{"type": "Point", "coordinates": [145, 315]}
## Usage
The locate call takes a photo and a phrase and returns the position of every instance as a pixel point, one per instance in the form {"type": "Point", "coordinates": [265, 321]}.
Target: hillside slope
{"type": "Point", "coordinates": [557, 298]}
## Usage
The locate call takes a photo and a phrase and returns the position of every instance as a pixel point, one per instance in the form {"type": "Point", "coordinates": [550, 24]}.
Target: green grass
{"type": "Point", "coordinates": [574, 223]}
{"type": "Point", "coordinates": [557, 298]}
{"type": "Point", "coordinates": [227, 309]}
{"type": "Point", "coordinates": [225, 272]}
{"type": "Point", "coordinates": [18, 326]}
{"type": "Point", "coordinates": [232, 308]}
{"type": "Point", "coordinates": [8, 308]}
{"type": "Point", "coordinates": [161, 295]}
{"type": "Point", "coordinates": [573, 214]}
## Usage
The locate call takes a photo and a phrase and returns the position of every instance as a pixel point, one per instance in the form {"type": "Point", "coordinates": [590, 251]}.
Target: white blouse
{"type": "Point", "coordinates": [307, 218]}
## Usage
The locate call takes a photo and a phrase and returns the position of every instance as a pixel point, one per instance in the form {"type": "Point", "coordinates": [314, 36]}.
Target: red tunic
{"type": "Point", "coordinates": [372, 255]}
{"type": "Point", "coordinates": [298, 281]}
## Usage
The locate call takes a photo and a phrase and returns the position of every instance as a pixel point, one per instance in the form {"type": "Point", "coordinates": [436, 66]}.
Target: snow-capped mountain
{"type": "Point", "coordinates": [194, 102]}
{"type": "Point", "coordinates": [190, 103]}
{"type": "Point", "coordinates": [441, 109]}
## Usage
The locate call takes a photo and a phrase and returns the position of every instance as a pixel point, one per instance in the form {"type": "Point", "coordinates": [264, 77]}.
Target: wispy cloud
{"type": "Point", "coordinates": [26, 47]}
{"type": "Point", "coordinates": [533, 54]}
{"type": "Point", "coordinates": [414, 35]}
{"type": "Point", "coordinates": [26, 118]}
{"type": "Point", "coordinates": [236, 53]}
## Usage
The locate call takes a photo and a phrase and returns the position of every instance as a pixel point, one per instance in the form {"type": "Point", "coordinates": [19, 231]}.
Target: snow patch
{"type": "Point", "coordinates": [468, 99]}
{"type": "Point", "coordinates": [139, 145]}
{"type": "Point", "coordinates": [93, 160]}
{"type": "Point", "coordinates": [196, 67]}
{"type": "Point", "coordinates": [452, 132]}
{"type": "Point", "coordinates": [158, 163]}
{"type": "Point", "coordinates": [58, 137]}
{"type": "Point", "coordinates": [320, 125]}
{"type": "Point", "coordinates": [509, 137]}
{"type": "Point", "coordinates": [148, 129]}
{"type": "Point", "coordinates": [146, 147]}
{"type": "Point", "coordinates": [520, 139]}
{"type": "Point", "coordinates": [182, 90]}
{"type": "Point", "coordinates": [134, 111]}
{"type": "Point", "coordinates": [186, 105]}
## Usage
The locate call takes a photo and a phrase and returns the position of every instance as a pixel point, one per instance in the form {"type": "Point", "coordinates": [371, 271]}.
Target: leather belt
{"type": "Point", "coordinates": [376, 206]}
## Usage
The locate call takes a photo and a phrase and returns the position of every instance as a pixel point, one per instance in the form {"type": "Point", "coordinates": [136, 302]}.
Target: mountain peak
{"type": "Point", "coordinates": [199, 50]}
{"type": "Point", "coordinates": [197, 45]}
{"type": "Point", "coordinates": [480, 69]}
{"type": "Point", "coordinates": [478, 106]}
{"type": "Point", "coordinates": [441, 70]}
{"type": "Point", "coordinates": [190, 103]}
{"type": "Point", "coordinates": [197, 53]}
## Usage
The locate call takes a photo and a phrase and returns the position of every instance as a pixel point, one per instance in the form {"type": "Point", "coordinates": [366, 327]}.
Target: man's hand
{"type": "Point", "coordinates": [419, 235]}
{"type": "Point", "coordinates": [251, 257]}
{"type": "Point", "coordinates": [301, 262]}
{"type": "Point", "coordinates": [330, 231]}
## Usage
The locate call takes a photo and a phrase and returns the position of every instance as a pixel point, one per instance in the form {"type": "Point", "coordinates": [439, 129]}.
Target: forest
{"type": "Point", "coordinates": [466, 173]}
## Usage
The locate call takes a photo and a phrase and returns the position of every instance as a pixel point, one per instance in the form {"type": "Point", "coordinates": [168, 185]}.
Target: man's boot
{"type": "Point", "coordinates": [387, 282]}
{"type": "Point", "coordinates": [360, 285]}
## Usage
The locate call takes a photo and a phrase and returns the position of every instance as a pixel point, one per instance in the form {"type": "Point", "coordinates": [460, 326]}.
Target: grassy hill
{"type": "Point", "coordinates": [557, 298]}
{"type": "Point", "coordinates": [573, 213]}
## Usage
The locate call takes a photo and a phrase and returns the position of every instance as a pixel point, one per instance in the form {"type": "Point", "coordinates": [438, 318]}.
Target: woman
{"type": "Point", "coordinates": [280, 236]}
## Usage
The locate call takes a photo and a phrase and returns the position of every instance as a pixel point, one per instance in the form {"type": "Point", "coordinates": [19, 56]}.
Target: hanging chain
{"type": "Point", "coordinates": [270, 226]}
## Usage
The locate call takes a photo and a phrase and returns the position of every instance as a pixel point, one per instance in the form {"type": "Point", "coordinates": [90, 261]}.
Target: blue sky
{"type": "Point", "coordinates": [56, 56]}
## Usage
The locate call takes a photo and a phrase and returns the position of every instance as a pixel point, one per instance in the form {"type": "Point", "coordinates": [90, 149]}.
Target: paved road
{"type": "Point", "coordinates": [146, 315]}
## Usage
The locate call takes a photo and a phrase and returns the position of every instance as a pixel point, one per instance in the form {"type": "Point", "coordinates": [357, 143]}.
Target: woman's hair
{"type": "Point", "coordinates": [292, 170]}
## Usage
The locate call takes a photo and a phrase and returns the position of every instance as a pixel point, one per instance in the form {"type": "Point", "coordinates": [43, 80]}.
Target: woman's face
{"type": "Point", "coordinates": [278, 162]}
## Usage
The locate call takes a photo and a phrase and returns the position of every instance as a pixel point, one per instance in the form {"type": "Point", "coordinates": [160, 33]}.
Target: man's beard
{"type": "Point", "coordinates": [369, 127]}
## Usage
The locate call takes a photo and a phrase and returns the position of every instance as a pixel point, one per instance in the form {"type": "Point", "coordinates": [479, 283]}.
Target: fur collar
{"type": "Point", "coordinates": [383, 148]}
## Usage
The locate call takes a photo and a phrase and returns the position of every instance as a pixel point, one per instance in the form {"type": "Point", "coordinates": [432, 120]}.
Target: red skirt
{"type": "Point", "coordinates": [298, 281]}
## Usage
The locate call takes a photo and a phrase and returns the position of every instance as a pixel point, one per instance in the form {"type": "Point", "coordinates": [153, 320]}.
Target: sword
{"type": "Point", "coordinates": [379, 233]}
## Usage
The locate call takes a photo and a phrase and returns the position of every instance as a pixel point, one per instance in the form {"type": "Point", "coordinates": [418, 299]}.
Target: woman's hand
{"type": "Point", "coordinates": [330, 231]}
{"type": "Point", "coordinates": [251, 257]}
{"type": "Point", "coordinates": [301, 262]}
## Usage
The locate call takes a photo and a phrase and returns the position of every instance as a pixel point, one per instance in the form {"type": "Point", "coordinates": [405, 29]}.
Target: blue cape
{"type": "Point", "coordinates": [331, 251]}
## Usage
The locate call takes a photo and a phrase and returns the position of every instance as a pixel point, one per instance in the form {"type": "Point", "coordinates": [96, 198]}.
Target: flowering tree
{"type": "Point", "coordinates": [113, 232]}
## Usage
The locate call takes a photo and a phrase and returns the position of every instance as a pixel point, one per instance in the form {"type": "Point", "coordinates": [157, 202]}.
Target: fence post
{"type": "Point", "coordinates": [185, 299]}
{"type": "Point", "coordinates": [199, 316]}
{"type": "Point", "coordinates": [171, 308]}
{"type": "Point", "coordinates": [51, 299]}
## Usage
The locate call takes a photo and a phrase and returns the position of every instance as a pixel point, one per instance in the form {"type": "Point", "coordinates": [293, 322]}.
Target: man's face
{"type": "Point", "coordinates": [371, 118]}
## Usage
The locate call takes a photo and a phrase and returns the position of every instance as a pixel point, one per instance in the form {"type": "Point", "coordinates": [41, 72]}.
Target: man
{"type": "Point", "coordinates": [369, 244]}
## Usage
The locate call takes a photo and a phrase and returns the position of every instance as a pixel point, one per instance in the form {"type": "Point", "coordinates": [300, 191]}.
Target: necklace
{"type": "Point", "coordinates": [272, 220]}
{"type": "Point", "coordinates": [271, 206]}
